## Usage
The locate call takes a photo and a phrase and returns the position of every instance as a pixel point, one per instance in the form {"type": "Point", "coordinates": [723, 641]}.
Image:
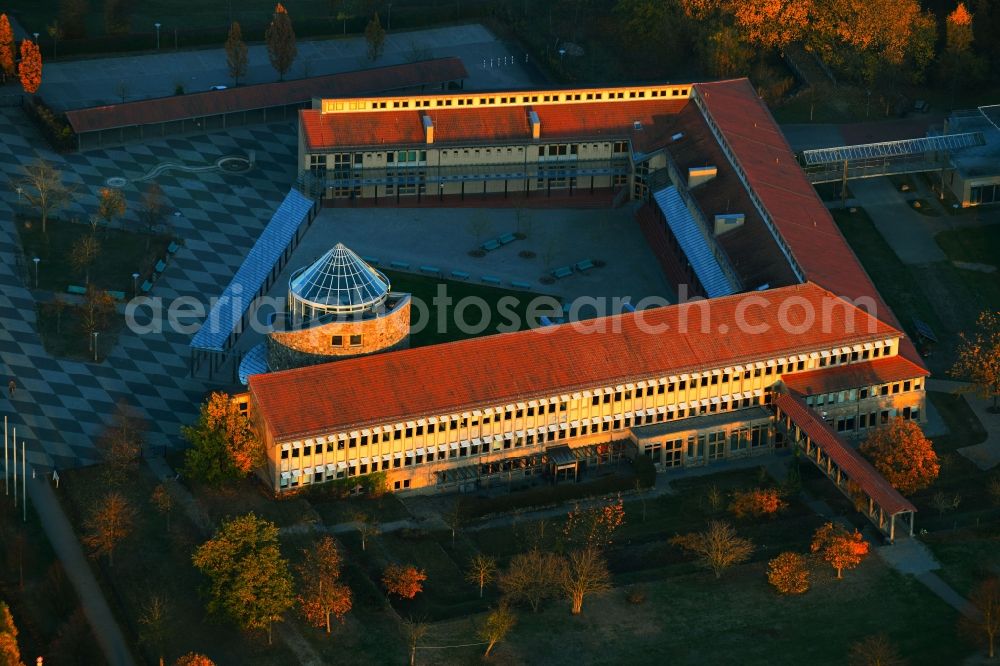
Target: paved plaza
{"type": "Point", "coordinates": [61, 404]}
{"type": "Point", "coordinates": [443, 237]}
{"type": "Point", "coordinates": [78, 84]}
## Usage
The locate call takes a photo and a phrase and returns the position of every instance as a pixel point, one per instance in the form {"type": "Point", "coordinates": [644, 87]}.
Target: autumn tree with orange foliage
{"type": "Point", "coordinates": [194, 659]}
{"type": "Point", "coordinates": [979, 357]}
{"type": "Point", "coordinates": [903, 455]}
{"type": "Point", "coordinates": [110, 203]}
{"type": "Point", "coordinates": [6, 47]}
{"type": "Point", "coordinates": [405, 581]}
{"type": "Point", "coordinates": [30, 68]}
{"type": "Point", "coordinates": [323, 596]}
{"type": "Point", "coordinates": [108, 525]}
{"type": "Point", "coordinates": [757, 502]}
{"type": "Point", "coordinates": [839, 547]}
{"type": "Point", "coordinates": [594, 527]}
{"type": "Point", "coordinates": [788, 573]}
{"type": "Point", "coordinates": [224, 444]}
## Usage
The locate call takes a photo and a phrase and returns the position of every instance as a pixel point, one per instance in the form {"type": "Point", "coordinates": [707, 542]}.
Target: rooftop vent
{"type": "Point", "coordinates": [702, 174]}
{"type": "Point", "coordinates": [728, 222]}
{"type": "Point", "coordinates": [677, 137]}
{"type": "Point", "coordinates": [536, 125]}
{"type": "Point", "coordinates": [428, 128]}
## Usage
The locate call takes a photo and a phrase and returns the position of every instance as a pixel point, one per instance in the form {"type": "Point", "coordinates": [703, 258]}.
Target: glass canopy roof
{"type": "Point", "coordinates": [339, 282]}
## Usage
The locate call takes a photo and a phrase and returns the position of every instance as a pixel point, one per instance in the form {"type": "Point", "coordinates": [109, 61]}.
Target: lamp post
{"type": "Point", "coordinates": [562, 52]}
{"type": "Point", "coordinates": [20, 191]}
{"type": "Point", "coordinates": [135, 291]}
{"type": "Point", "coordinates": [95, 346]}
{"type": "Point", "coordinates": [157, 25]}
{"type": "Point", "coordinates": [36, 37]}
{"type": "Point", "coordinates": [36, 260]}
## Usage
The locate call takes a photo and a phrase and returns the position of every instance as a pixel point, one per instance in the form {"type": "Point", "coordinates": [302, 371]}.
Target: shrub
{"type": "Point", "coordinates": [54, 128]}
{"type": "Point", "coordinates": [635, 595]}
{"type": "Point", "coordinates": [757, 502]}
{"type": "Point", "coordinates": [788, 573]}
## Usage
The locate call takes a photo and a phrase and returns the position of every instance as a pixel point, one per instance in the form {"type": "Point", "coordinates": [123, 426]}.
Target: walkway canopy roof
{"type": "Point", "coordinates": [887, 149]}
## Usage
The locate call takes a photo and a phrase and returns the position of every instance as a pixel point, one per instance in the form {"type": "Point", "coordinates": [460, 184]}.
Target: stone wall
{"type": "Point", "coordinates": [389, 330]}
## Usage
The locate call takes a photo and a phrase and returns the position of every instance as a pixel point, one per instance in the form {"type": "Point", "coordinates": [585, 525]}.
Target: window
{"type": "Point", "coordinates": [355, 340]}
{"type": "Point", "coordinates": [337, 341]}
{"type": "Point", "coordinates": [672, 453]}
{"type": "Point", "coordinates": [620, 147]}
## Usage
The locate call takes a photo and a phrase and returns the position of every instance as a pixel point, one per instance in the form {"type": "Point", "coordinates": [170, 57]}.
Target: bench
{"type": "Point", "coordinates": [434, 270]}
{"type": "Point", "coordinates": [117, 295]}
{"type": "Point", "coordinates": [490, 245]}
{"type": "Point", "coordinates": [507, 238]}
{"type": "Point", "coordinates": [75, 289]}
{"type": "Point", "coordinates": [160, 266]}
{"type": "Point", "coordinates": [584, 265]}
{"type": "Point", "coordinates": [173, 247]}
{"type": "Point", "coordinates": [520, 284]}
{"type": "Point", "coordinates": [490, 279]}
{"type": "Point", "coordinates": [146, 286]}
{"type": "Point", "coordinates": [460, 275]}
{"type": "Point", "coordinates": [401, 265]}
{"type": "Point", "coordinates": [561, 272]}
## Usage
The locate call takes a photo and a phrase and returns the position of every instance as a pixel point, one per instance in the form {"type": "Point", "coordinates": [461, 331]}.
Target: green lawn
{"type": "Point", "coordinates": [979, 245]}
{"type": "Point", "coordinates": [63, 333]}
{"type": "Point", "coordinates": [381, 509]}
{"type": "Point", "coordinates": [464, 296]}
{"type": "Point", "coordinates": [121, 254]}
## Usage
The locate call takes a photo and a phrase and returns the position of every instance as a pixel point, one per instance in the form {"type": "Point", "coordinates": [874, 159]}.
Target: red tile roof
{"type": "Point", "coordinates": [463, 126]}
{"type": "Point", "coordinates": [247, 98]}
{"type": "Point", "coordinates": [498, 369]}
{"type": "Point", "coordinates": [854, 375]}
{"type": "Point", "coordinates": [843, 455]}
{"type": "Point", "coordinates": [761, 151]}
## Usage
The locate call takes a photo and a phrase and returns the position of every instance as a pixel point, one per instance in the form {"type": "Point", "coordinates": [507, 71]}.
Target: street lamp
{"type": "Point", "coordinates": [157, 36]}
{"type": "Point", "coordinates": [20, 191]}
{"type": "Point", "coordinates": [95, 346]}
{"type": "Point", "coordinates": [562, 52]}
{"type": "Point", "coordinates": [135, 278]}
{"type": "Point", "coordinates": [36, 37]}
{"type": "Point", "coordinates": [36, 260]}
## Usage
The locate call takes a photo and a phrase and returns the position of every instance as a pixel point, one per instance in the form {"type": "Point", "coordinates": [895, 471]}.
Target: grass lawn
{"type": "Point", "coordinates": [63, 333]}
{"type": "Point", "coordinates": [383, 509]}
{"type": "Point", "coordinates": [155, 561]}
{"type": "Point", "coordinates": [979, 245]}
{"type": "Point", "coordinates": [121, 254]}
{"type": "Point", "coordinates": [425, 289]}
{"type": "Point", "coordinates": [695, 619]}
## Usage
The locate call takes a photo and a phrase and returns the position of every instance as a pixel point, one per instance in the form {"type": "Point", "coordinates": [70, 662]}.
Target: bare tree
{"type": "Point", "coordinates": [482, 570]}
{"type": "Point", "coordinates": [586, 573]}
{"type": "Point", "coordinates": [367, 528]}
{"type": "Point", "coordinates": [153, 625]}
{"type": "Point", "coordinates": [985, 598]}
{"type": "Point", "coordinates": [532, 577]}
{"type": "Point", "coordinates": [874, 651]}
{"type": "Point", "coordinates": [717, 548]}
{"type": "Point", "coordinates": [453, 517]}
{"type": "Point", "coordinates": [42, 186]}
{"type": "Point", "coordinates": [83, 254]}
{"type": "Point", "coordinates": [121, 442]}
{"type": "Point", "coordinates": [414, 630]}
{"type": "Point", "coordinates": [237, 58]}
{"type": "Point", "coordinates": [163, 501]}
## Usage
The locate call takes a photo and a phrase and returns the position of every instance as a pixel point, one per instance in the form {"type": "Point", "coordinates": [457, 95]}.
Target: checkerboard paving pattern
{"type": "Point", "coordinates": [61, 405]}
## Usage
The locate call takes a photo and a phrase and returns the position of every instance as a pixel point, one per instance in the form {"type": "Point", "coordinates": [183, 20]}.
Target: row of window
{"type": "Point", "coordinates": [708, 446]}
{"type": "Point", "coordinates": [338, 340]}
{"type": "Point", "coordinates": [525, 99]}
{"type": "Point", "coordinates": [874, 419]}
{"type": "Point", "coordinates": [862, 393]}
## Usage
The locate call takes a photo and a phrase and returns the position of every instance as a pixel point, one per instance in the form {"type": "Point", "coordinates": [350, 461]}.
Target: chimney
{"type": "Point", "coordinates": [728, 222]}
{"type": "Point", "coordinates": [702, 174]}
{"type": "Point", "coordinates": [428, 128]}
{"type": "Point", "coordinates": [536, 125]}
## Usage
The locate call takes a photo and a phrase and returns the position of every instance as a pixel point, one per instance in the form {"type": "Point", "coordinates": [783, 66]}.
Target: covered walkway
{"type": "Point", "coordinates": [853, 475]}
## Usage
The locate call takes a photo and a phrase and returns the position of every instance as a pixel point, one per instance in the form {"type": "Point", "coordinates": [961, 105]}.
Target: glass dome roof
{"type": "Point", "coordinates": [339, 281]}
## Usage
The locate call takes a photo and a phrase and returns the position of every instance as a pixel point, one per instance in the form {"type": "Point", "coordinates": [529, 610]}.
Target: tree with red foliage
{"type": "Point", "coordinates": [903, 455]}
{"type": "Point", "coordinates": [30, 68]}
{"type": "Point", "coordinates": [6, 46]}
{"type": "Point", "coordinates": [194, 659]}
{"type": "Point", "coordinates": [594, 526]}
{"type": "Point", "coordinates": [757, 502]}
{"type": "Point", "coordinates": [839, 547]}
{"type": "Point", "coordinates": [323, 596]}
{"type": "Point", "coordinates": [405, 581]}
{"type": "Point", "coordinates": [788, 573]}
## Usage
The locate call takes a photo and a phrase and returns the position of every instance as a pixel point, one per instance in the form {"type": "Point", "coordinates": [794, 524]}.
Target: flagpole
{"type": "Point", "coordinates": [24, 486]}
{"type": "Point", "coordinates": [15, 466]}
{"type": "Point", "coordinates": [6, 464]}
